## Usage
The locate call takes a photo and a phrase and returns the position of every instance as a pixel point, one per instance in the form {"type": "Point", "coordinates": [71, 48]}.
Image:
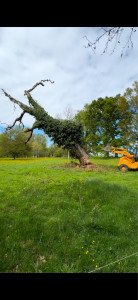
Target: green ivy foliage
{"type": "Point", "coordinates": [64, 133]}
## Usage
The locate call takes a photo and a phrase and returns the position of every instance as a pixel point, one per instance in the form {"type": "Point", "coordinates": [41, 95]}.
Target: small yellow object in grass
{"type": "Point", "coordinates": [93, 260]}
{"type": "Point", "coordinates": [96, 266]}
{"type": "Point", "coordinates": [82, 247]}
{"type": "Point", "coordinates": [42, 258]}
{"type": "Point", "coordinates": [87, 252]}
{"type": "Point", "coordinates": [119, 263]}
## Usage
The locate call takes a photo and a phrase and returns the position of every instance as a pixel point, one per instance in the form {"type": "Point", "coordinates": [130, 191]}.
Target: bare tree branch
{"type": "Point", "coordinates": [35, 85]}
{"type": "Point", "coordinates": [113, 33]}
{"type": "Point", "coordinates": [129, 42]}
{"type": "Point", "coordinates": [28, 130]}
{"type": "Point", "coordinates": [35, 125]}
{"type": "Point", "coordinates": [25, 108]}
{"type": "Point", "coordinates": [22, 106]}
{"type": "Point", "coordinates": [92, 45]}
{"type": "Point", "coordinates": [18, 119]}
{"type": "Point", "coordinates": [4, 123]}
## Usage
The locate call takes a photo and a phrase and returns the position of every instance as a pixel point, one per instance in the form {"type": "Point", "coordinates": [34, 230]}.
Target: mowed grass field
{"type": "Point", "coordinates": [58, 219]}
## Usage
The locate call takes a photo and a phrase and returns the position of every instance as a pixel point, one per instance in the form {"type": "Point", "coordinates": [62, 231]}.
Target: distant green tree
{"type": "Point", "coordinates": [40, 139]}
{"type": "Point", "coordinates": [124, 121]}
{"type": "Point", "coordinates": [106, 120]}
{"type": "Point", "coordinates": [99, 121]}
{"type": "Point", "coordinates": [56, 151]}
{"type": "Point", "coordinates": [131, 94]}
{"type": "Point", "coordinates": [39, 148]}
{"type": "Point", "coordinates": [36, 149]}
{"type": "Point", "coordinates": [12, 143]}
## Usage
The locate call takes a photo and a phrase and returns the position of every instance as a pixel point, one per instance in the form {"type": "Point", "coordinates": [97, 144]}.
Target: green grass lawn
{"type": "Point", "coordinates": [58, 219]}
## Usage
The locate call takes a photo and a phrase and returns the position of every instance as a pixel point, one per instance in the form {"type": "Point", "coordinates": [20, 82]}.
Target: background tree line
{"type": "Point", "coordinates": [12, 144]}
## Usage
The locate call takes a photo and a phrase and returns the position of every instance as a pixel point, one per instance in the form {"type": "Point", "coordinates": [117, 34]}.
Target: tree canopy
{"type": "Point", "coordinates": [111, 120]}
{"type": "Point", "coordinates": [12, 143]}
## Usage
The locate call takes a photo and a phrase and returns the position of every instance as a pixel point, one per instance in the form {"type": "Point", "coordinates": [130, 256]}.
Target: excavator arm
{"type": "Point", "coordinates": [117, 150]}
{"type": "Point", "coordinates": [121, 151]}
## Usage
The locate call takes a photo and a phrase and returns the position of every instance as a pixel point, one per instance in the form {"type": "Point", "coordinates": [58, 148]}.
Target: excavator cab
{"type": "Point", "coordinates": [127, 161]}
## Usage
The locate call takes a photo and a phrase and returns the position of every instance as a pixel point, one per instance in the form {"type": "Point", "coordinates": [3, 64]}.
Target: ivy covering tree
{"type": "Point", "coordinates": [66, 133]}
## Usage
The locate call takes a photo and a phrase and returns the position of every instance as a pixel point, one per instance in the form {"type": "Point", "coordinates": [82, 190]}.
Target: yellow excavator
{"type": "Point", "coordinates": [127, 161]}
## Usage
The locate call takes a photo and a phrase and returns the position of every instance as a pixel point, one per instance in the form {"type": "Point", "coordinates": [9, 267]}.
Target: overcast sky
{"type": "Point", "coordinates": [28, 55]}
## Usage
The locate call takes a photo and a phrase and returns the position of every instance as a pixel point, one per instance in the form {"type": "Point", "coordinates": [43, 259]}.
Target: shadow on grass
{"type": "Point", "coordinates": [60, 227]}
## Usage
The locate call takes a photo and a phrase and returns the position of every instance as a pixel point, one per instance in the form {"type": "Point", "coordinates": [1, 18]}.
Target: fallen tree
{"type": "Point", "coordinates": [66, 133]}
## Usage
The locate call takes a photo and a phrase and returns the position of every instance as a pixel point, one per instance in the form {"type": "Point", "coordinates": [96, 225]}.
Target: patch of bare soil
{"type": "Point", "coordinates": [89, 166]}
{"type": "Point", "coordinates": [77, 166]}
{"type": "Point", "coordinates": [92, 167]}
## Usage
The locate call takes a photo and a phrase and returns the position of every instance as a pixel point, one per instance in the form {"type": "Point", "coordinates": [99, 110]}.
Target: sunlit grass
{"type": "Point", "coordinates": [55, 218]}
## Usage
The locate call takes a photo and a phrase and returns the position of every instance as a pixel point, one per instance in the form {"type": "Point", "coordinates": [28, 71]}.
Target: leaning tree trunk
{"type": "Point", "coordinates": [65, 133]}
{"type": "Point", "coordinates": [82, 155]}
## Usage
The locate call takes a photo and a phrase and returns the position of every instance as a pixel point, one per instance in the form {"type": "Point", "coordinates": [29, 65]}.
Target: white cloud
{"type": "Point", "coordinates": [28, 55]}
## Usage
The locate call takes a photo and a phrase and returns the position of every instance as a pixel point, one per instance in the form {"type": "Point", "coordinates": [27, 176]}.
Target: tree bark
{"type": "Point", "coordinates": [82, 155]}
{"type": "Point", "coordinates": [107, 155]}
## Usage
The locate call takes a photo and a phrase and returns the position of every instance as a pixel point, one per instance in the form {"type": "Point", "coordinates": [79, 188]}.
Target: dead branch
{"type": "Point", "coordinates": [29, 137]}
{"type": "Point", "coordinates": [35, 85]}
{"type": "Point", "coordinates": [4, 123]}
{"type": "Point", "coordinates": [18, 119]}
{"type": "Point", "coordinates": [93, 45]}
{"type": "Point", "coordinates": [114, 33]}
{"type": "Point", "coordinates": [29, 130]}
{"type": "Point", "coordinates": [23, 106]}
{"type": "Point", "coordinates": [129, 42]}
